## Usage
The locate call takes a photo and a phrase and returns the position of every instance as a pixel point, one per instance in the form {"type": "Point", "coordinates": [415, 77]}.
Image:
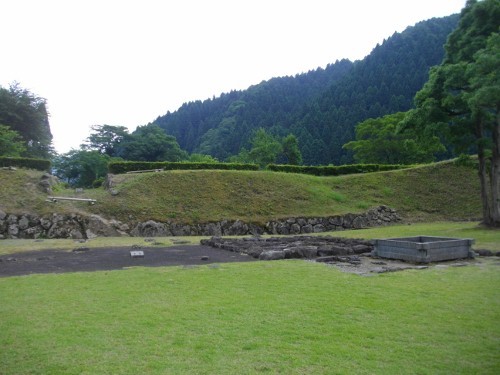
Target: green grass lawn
{"type": "Point", "coordinates": [287, 317]}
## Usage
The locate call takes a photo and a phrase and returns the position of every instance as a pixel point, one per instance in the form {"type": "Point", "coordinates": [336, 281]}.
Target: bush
{"type": "Point", "coordinates": [336, 170]}
{"type": "Point", "coordinates": [98, 182]}
{"type": "Point", "coordinates": [129, 166]}
{"type": "Point", "coordinates": [38, 164]}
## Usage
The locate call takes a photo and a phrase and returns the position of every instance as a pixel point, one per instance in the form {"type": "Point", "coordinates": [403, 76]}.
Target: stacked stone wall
{"type": "Point", "coordinates": [80, 227]}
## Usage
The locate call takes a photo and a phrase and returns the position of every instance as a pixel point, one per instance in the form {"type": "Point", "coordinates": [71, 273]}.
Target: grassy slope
{"type": "Point", "coordinates": [436, 192]}
{"type": "Point", "coordinates": [440, 191]}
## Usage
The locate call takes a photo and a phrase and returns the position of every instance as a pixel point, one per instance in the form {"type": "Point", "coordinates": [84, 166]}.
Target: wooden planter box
{"type": "Point", "coordinates": [424, 249]}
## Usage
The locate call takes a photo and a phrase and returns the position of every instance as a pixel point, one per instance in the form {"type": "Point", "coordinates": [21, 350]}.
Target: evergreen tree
{"type": "Point", "coordinates": [291, 151]}
{"type": "Point", "coordinates": [26, 113]}
{"type": "Point", "coordinates": [320, 107]}
{"type": "Point", "coordinates": [462, 97]}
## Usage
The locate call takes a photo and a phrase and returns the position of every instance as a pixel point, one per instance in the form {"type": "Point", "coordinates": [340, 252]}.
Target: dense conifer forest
{"type": "Point", "coordinates": [320, 107]}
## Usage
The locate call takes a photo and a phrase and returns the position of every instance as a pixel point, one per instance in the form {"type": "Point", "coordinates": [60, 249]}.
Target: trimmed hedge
{"type": "Point", "coordinates": [129, 166]}
{"type": "Point", "coordinates": [38, 164]}
{"type": "Point", "coordinates": [335, 170]}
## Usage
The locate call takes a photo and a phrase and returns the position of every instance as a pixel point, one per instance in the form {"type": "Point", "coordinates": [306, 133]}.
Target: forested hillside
{"type": "Point", "coordinates": [320, 107]}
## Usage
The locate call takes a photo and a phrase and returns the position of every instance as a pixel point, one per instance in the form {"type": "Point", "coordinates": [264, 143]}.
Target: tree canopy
{"type": "Point", "coordinates": [106, 139]}
{"type": "Point", "coordinates": [320, 107]}
{"type": "Point", "coordinates": [81, 168]}
{"type": "Point", "coordinates": [380, 141]}
{"type": "Point", "coordinates": [11, 143]}
{"type": "Point", "coordinates": [26, 113]}
{"type": "Point", "coordinates": [461, 99]}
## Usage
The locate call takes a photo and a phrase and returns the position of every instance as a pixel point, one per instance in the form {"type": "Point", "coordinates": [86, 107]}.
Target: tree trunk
{"type": "Point", "coordinates": [495, 174]}
{"type": "Point", "coordinates": [483, 176]}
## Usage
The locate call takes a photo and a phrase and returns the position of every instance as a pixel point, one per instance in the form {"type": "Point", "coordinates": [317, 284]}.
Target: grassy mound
{"type": "Point", "coordinates": [441, 191]}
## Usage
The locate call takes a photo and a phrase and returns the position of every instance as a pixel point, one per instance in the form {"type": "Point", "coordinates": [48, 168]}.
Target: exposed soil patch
{"type": "Point", "coordinates": [84, 259]}
{"type": "Point", "coordinates": [346, 254]}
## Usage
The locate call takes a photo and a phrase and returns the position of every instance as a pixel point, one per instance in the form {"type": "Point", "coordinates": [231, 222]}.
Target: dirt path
{"type": "Point", "coordinates": [58, 261]}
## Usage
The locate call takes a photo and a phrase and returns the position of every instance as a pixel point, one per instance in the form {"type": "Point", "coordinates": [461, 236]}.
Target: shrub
{"type": "Point", "coordinates": [129, 166]}
{"type": "Point", "coordinates": [98, 182]}
{"type": "Point", "coordinates": [38, 164]}
{"type": "Point", "coordinates": [335, 170]}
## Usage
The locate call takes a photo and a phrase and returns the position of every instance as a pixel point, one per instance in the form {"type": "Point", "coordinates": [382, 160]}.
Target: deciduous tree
{"type": "Point", "coordinates": [11, 143]}
{"type": "Point", "coordinates": [380, 141]}
{"type": "Point", "coordinates": [106, 139]}
{"type": "Point", "coordinates": [150, 143]}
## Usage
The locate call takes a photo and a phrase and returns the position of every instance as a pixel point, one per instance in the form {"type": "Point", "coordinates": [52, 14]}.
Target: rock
{"type": "Point", "coordinates": [292, 253]}
{"type": "Point", "coordinates": [318, 228]}
{"type": "Point", "coordinates": [177, 230]}
{"type": "Point", "coordinates": [32, 232]}
{"type": "Point", "coordinates": [283, 229]}
{"type": "Point", "coordinates": [76, 234]}
{"type": "Point", "coordinates": [45, 223]}
{"type": "Point", "coordinates": [3, 215]}
{"type": "Point", "coordinates": [360, 249]}
{"type": "Point", "coordinates": [45, 186]}
{"type": "Point", "coordinates": [236, 228]}
{"type": "Point", "coordinates": [66, 228]}
{"type": "Point", "coordinates": [484, 253]}
{"type": "Point", "coordinates": [328, 259]}
{"type": "Point", "coordinates": [307, 228]}
{"type": "Point", "coordinates": [13, 230]}
{"type": "Point", "coordinates": [212, 229]}
{"type": "Point", "coordinates": [12, 219]}
{"type": "Point", "coordinates": [150, 229]}
{"type": "Point", "coordinates": [47, 181]}
{"type": "Point", "coordinates": [272, 255]}
{"type": "Point", "coordinates": [23, 223]}
{"type": "Point", "coordinates": [336, 220]}
{"type": "Point", "coordinates": [308, 252]}
{"type": "Point", "coordinates": [327, 250]}
{"type": "Point", "coordinates": [80, 249]}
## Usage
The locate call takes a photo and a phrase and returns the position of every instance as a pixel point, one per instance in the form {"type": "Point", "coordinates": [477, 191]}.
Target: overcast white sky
{"type": "Point", "coordinates": [125, 62]}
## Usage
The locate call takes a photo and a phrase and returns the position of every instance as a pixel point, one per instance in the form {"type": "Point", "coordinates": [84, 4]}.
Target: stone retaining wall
{"type": "Point", "coordinates": [78, 226]}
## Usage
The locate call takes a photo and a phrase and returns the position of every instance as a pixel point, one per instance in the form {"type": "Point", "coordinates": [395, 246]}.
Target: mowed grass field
{"type": "Point", "coordinates": [289, 317]}
{"type": "Point", "coordinates": [279, 317]}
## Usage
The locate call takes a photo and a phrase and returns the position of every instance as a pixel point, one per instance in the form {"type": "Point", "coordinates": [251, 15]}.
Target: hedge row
{"type": "Point", "coordinates": [335, 170]}
{"type": "Point", "coordinates": [39, 164]}
{"type": "Point", "coordinates": [130, 166]}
